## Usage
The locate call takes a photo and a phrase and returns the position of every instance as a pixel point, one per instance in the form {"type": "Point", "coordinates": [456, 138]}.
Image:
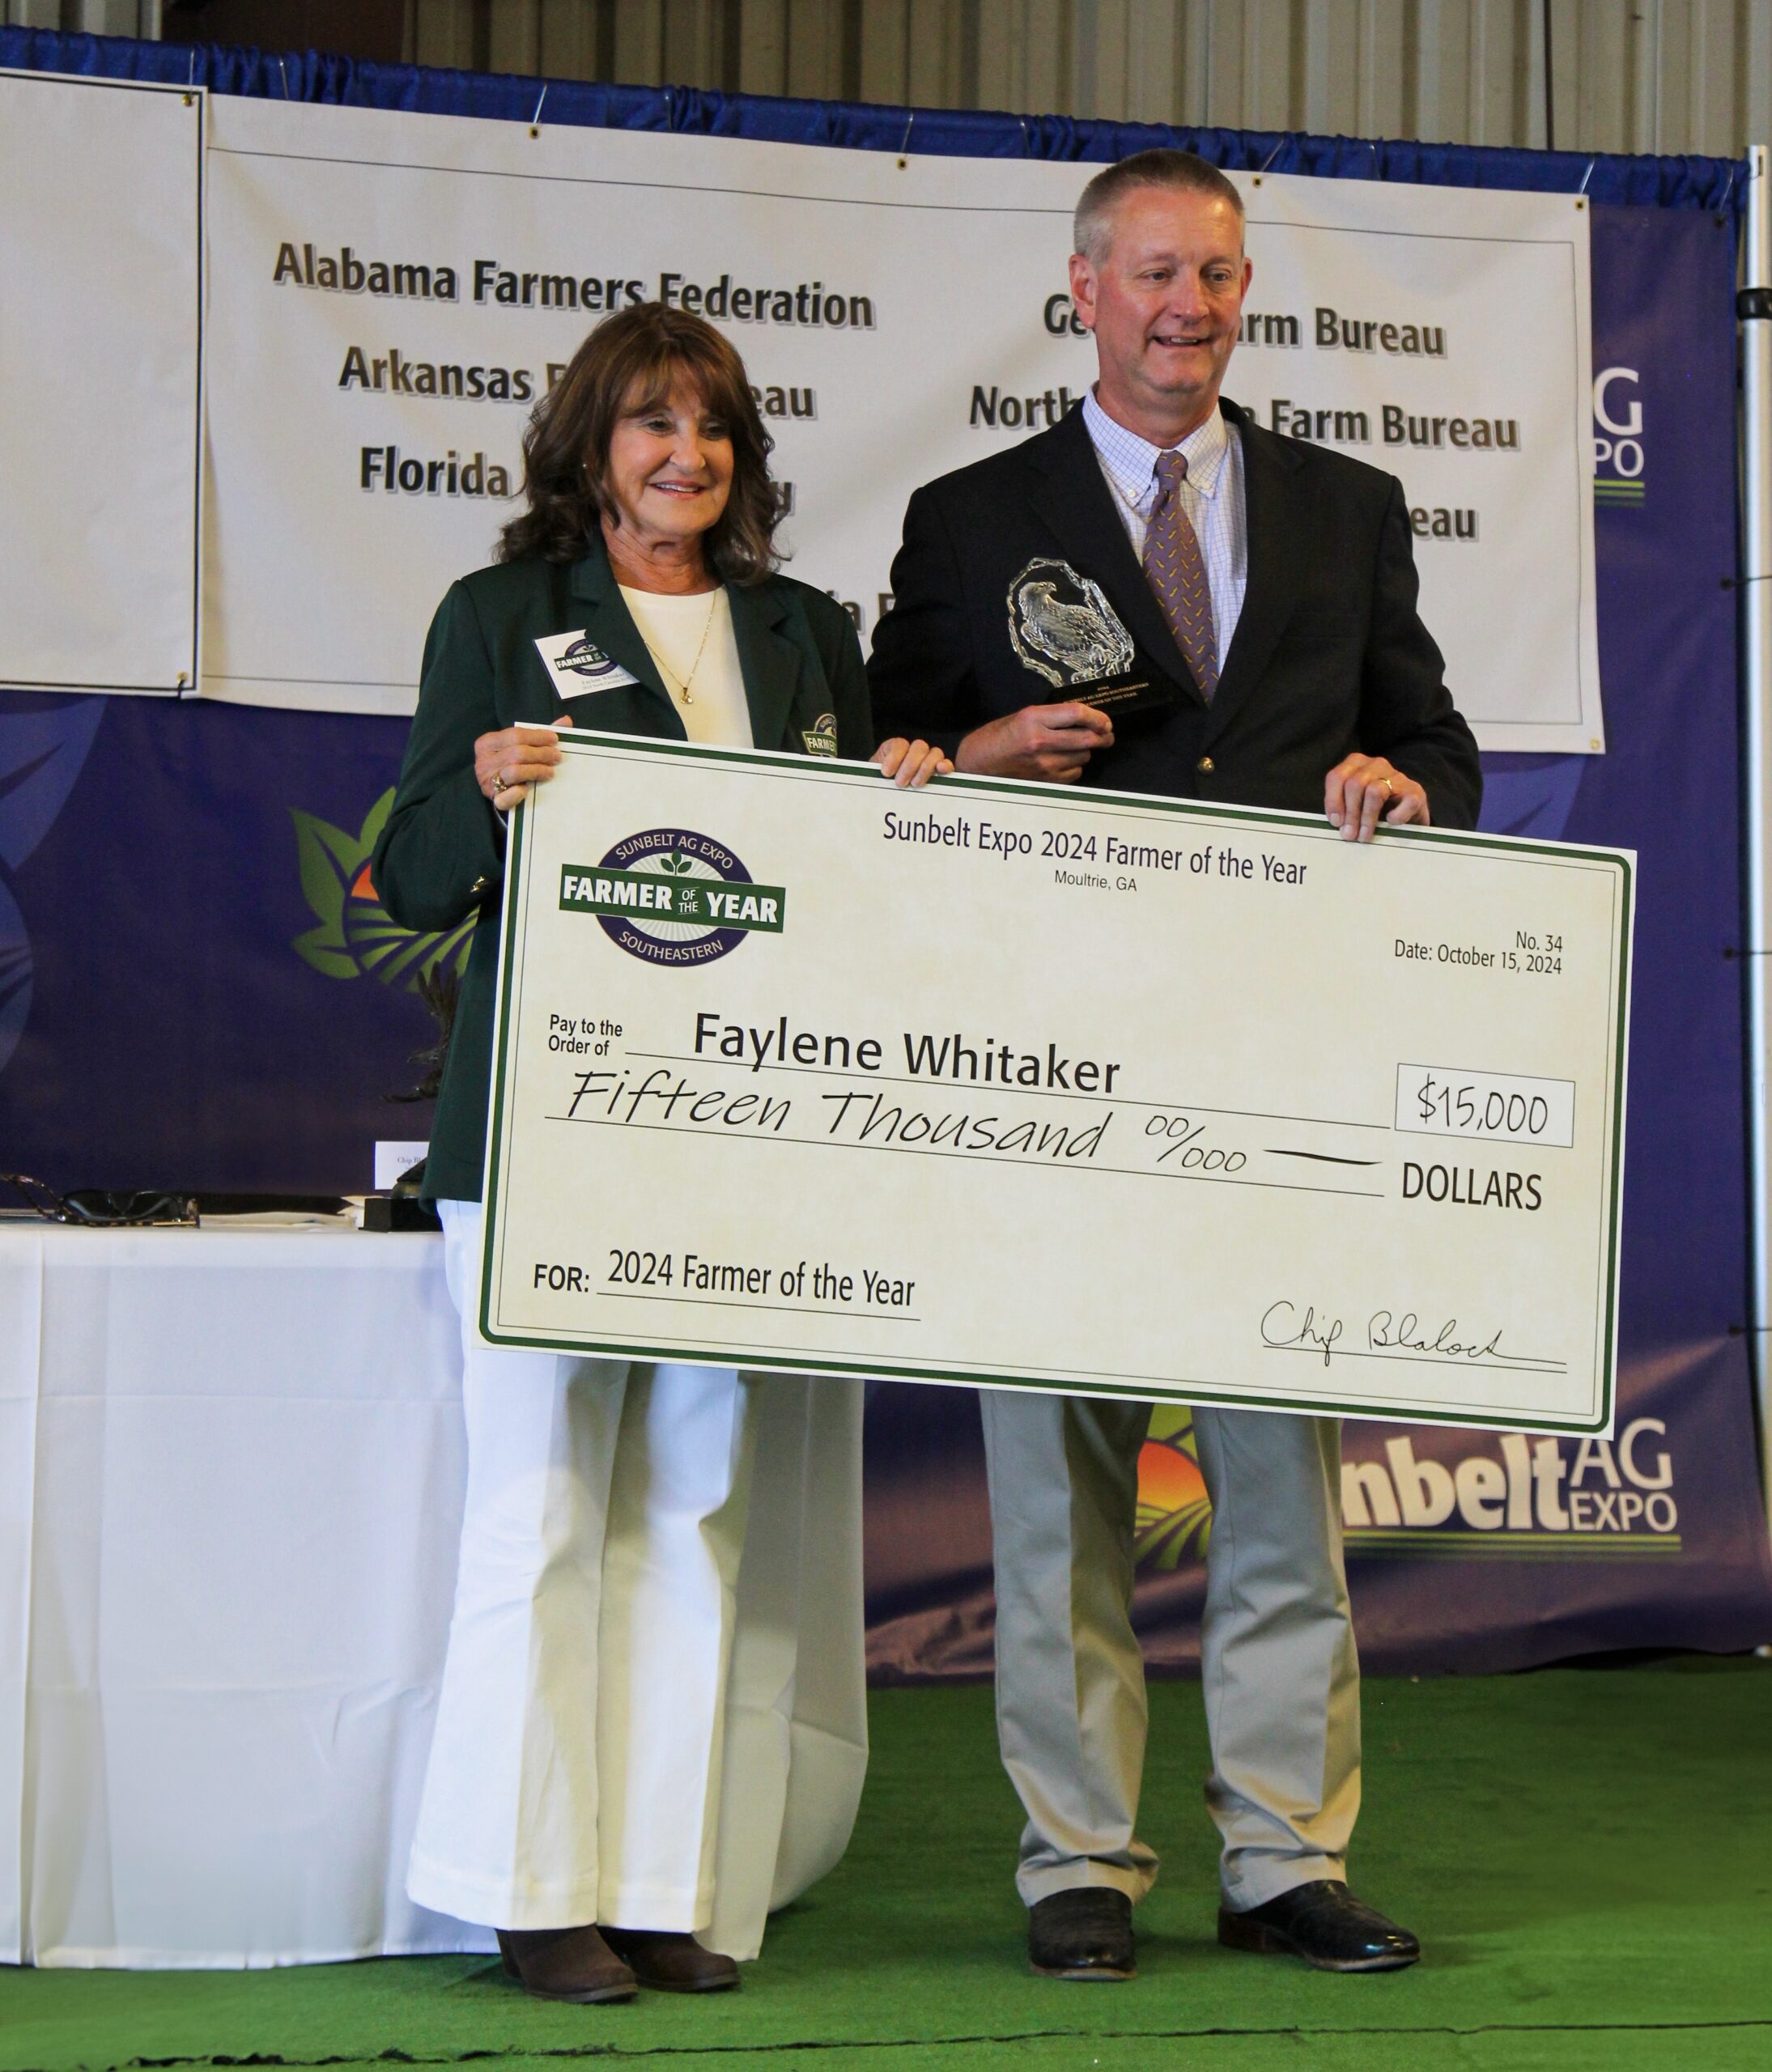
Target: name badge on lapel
{"type": "Point", "coordinates": [1062, 627]}
{"type": "Point", "coordinates": [577, 664]}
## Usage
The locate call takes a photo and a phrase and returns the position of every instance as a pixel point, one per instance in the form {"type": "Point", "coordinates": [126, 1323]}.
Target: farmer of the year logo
{"type": "Point", "coordinates": [585, 658]}
{"type": "Point", "coordinates": [672, 897]}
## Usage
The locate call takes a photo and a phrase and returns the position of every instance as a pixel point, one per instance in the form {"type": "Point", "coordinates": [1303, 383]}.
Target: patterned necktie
{"type": "Point", "coordinates": [1178, 574]}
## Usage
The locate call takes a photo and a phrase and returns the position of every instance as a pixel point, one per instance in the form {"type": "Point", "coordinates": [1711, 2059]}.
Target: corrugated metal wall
{"type": "Point", "coordinates": [1626, 75]}
{"type": "Point", "coordinates": [88, 17]}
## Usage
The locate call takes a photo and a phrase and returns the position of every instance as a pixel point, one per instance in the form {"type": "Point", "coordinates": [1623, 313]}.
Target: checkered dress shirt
{"type": "Point", "coordinates": [1212, 496]}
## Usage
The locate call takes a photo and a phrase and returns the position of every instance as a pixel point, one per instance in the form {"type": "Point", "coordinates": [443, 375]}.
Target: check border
{"type": "Point", "coordinates": [1179, 1388]}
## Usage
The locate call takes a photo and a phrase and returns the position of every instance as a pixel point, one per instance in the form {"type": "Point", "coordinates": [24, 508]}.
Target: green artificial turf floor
{"type": "Point", "coordinates": [1586, 1853]}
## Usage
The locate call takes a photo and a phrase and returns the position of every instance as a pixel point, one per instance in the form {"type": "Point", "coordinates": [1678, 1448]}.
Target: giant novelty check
{"type": "Point", "coordinates": [1028, 1086]}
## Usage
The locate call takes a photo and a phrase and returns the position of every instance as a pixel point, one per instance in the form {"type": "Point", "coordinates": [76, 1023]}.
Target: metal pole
{"type": "Point", "coordinates": [1753, 304]}
{"type": "Point", "coordinates": [1550, 87]}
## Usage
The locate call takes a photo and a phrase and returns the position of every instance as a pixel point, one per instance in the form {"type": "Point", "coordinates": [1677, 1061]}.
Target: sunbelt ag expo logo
{"type": "Point", "coordinates": [672, 897]}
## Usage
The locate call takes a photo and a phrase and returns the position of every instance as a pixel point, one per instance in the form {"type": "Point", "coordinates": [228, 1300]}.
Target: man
{"type": "Point", "coordinates": [1158, 536]}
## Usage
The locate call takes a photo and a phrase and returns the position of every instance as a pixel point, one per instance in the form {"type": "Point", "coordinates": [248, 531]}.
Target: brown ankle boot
{"type": "Point", "coordinates": [664, 1961]}
{"type": "Point", "coordinates": [565, 1963]}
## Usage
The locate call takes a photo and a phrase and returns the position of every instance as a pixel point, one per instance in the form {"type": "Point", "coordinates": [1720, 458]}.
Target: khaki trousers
{"type": "Point", "coordinates": [1278, 1667]}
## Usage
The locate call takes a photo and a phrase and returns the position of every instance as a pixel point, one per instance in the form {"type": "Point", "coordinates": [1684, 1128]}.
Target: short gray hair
{"type": "Point", "coordinates": [1181, 172]}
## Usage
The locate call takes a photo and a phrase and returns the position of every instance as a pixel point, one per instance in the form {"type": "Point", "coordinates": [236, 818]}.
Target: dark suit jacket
{"type": "Point", "coordinates": [441, 854]}
{"type": "Point", "coordinates": [1329, 654]}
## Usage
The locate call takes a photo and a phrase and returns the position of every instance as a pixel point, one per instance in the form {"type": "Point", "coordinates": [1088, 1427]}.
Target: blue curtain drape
{"type": "Point", "coordinates": [1669, 183]}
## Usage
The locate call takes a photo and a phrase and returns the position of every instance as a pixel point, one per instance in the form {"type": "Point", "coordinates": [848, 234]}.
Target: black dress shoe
{"type": "Point", "coordinates": [1084, 1933]}
{"type": "Point", "coordinates": [1325, 1925]}
{"type": "Point", "coordinates": [565, 1963]}
{"type": "Point", "coordinates": [667, 1961]}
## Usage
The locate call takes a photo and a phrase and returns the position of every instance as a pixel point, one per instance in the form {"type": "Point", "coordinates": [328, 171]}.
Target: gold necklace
{"type": "Point", "coordinates": [682, 683]}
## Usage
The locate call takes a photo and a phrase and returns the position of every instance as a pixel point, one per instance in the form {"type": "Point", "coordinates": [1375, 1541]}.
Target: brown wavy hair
{"type": "Point", "coordinates": [631, 361]}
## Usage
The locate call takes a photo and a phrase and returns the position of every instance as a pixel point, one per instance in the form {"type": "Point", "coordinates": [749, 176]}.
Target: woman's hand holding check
{"type": "Point", "coordinates": [507, 763]}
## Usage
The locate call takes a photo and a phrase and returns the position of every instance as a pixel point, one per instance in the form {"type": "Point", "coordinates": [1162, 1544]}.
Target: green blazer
{"type": "Point", "coordinates": [441, 854]}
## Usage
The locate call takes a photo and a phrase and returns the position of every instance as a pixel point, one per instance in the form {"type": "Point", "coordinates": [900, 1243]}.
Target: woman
{"type": "Point", "coordinates": [574, 1795]}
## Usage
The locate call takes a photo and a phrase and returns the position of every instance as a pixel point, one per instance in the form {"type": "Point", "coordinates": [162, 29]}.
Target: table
{"type": "Point", "coordinates": [230, 1473]}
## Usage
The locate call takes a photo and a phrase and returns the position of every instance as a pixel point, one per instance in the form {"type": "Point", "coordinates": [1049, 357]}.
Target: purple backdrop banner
{"type": "Point", "coordinates": [197, 989]}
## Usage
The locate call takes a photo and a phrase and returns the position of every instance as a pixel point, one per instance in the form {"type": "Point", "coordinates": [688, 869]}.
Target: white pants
{"type": "Point", "coordinates": [575, 1772]}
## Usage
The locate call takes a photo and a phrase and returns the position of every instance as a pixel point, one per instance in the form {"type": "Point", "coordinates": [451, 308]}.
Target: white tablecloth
{"type": "Point", "coordinates": [230, 1470]}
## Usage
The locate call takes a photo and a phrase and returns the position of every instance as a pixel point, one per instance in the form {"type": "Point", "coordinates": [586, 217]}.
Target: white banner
{"type": "Point", "coordinates": [392, 293]}
{"type": "Point", "coordinates": [101, 317]}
